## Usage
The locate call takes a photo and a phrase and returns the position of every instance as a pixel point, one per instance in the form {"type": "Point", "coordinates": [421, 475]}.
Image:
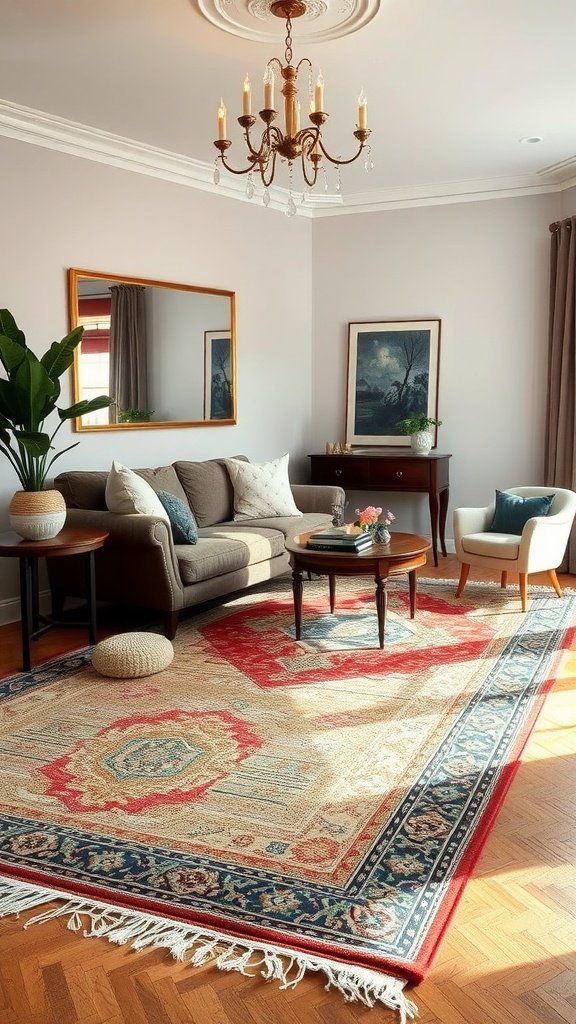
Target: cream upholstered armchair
{"type": "Point", "coordinates": [538, 547]}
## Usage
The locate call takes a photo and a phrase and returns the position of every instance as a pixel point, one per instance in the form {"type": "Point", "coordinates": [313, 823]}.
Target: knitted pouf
{"type": "Point", "coordinates": [128, 655]}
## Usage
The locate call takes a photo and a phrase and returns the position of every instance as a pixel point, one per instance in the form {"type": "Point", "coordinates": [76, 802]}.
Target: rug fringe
{"type": "Point", "coordinates": [140, 930]}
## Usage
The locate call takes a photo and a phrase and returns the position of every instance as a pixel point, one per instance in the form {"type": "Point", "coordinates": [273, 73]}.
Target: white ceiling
{"type": "Point", "coordinates": [452, 85]}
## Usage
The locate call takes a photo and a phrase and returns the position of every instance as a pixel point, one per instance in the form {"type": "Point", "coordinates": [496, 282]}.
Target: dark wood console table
{"type": "Point", "coordinates": [392, 470]}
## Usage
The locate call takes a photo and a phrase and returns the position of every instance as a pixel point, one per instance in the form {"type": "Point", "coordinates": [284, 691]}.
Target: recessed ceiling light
{"type": "Point", "coordinates": [532, 139]}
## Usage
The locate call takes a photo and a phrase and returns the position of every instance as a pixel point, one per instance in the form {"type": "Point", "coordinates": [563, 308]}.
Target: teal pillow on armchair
{"type": "Point", "coordinates": [512, 511]}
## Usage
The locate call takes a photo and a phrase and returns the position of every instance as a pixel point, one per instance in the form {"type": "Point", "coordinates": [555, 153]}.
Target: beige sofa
{"type": "Point", "coordinates": [141, 566]}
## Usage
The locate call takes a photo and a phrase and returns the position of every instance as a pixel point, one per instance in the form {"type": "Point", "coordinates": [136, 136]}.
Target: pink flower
{"type": "Point", "coordinates": [368, 517]}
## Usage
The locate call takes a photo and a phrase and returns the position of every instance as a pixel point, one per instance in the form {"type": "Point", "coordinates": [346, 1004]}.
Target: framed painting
{"type": "Point", "coordinates": [392, 374]}
{"type": "Point", "coordinates": [218, 398]}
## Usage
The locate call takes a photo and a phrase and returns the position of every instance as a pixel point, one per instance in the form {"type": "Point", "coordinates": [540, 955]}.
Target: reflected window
{"type": "Point", "coordinates": [94, 317]}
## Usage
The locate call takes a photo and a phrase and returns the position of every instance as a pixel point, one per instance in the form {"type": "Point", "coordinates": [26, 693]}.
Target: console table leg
{"type": "Point", "coordinates": [91, 588]}
{"type": "Point", "coordinates": [433, 502]}
{"type": "Point", "coordinates": [297, 587]}
{"type": "Point", "coordinates": [332, 585]}
{"type": "Point", "coordinates": [444, 495]}
{"type": "Point", "coordinates": [412, 592]}
{"type": "Point", "coordinates": [26, 611]}
{"type": "Point", "coordinates": [381, 604]}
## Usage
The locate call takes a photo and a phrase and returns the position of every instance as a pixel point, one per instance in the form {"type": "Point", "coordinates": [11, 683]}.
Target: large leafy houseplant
{"type": "Point", "coordinates": [28, 396]}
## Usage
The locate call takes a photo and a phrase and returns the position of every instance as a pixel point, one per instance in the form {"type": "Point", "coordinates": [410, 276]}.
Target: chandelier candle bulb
{"type": "Point", "coordinates": [319, 93]}
{"type": "Point", "coordinates": [246, 97]}
{"type": "Point", "coordinates": [289, 116]}
{"type": "Point", "coordinates": [221, 121]}
{"type": "Point", "coordinates": [269, 89]}
{"type": "Point", "coordinates": [296, 116]}
{"type": "Point", "coordinates": [362, 110]}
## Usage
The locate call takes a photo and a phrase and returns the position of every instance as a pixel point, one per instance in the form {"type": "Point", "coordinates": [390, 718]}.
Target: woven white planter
{"type": "Point", "coordinates": [421, 442]}
{"type": "Point", "coordinates": [37, 515]}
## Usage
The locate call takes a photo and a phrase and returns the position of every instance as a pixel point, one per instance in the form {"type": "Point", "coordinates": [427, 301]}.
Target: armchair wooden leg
{"type": "Point", "coordinates": [523, 581]}
{"type": "Point", "coordinates": [463, 577]}
{"type": "Point", "coordinates": [554, 581]}
{"type": "Point", "coordinates": [503, 580]}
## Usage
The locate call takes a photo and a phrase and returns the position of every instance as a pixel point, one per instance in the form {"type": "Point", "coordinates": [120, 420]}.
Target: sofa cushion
{"type": "Point", "coordinates": [208, 489]}
{"type": "Point", "coordinates": [288, 526]}
{"type": "Point", "coordinates": [83, 489]}
{"type": "Point", "coordinates": [127, 492]}
{"type": "Point", "coordinates": [220, 550]}
{"type": "Point", "coordinates": [262, 489]}
{"type": "Point", "coordinates": [164, 478]}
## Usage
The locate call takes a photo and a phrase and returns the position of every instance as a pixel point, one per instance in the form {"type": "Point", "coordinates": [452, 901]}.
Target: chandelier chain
{"type": "Point", "coordinates": [288, 41]}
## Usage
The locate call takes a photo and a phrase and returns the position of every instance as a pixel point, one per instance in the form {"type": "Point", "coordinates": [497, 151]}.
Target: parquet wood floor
{"type": "Point", "coordinates": [509, 955]}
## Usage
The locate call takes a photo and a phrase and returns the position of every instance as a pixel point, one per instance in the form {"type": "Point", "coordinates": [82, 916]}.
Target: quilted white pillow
{"type": "Point", "coordinates": [127, 492]}
{"type": "Point", "coordinates": [261, 489]}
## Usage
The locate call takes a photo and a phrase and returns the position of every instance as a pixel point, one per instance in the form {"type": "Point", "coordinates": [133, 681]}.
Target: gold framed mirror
{"type": "Point", "coordinates": [164, 352]}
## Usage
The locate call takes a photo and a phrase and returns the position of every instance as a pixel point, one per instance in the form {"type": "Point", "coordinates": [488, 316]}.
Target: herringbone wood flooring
{"type": "Point", "coordinates": [509, 955]}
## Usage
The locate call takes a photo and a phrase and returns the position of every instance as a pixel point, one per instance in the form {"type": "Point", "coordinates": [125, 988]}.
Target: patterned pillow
{"type": "Point", "coordinates": [261, 490]}
{"type": "Point", "coordinates": [184, 526]}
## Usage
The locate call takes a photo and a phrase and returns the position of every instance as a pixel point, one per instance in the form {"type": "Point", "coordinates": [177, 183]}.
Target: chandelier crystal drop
{"type": "Point", "coordinates": [294, 143]}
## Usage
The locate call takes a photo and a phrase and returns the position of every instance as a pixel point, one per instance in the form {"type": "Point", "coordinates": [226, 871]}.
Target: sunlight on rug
{"type": "Point", "coordinates": [278, 806]}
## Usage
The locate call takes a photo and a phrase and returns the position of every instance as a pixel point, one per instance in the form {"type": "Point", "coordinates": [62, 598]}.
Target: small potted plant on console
{"type": "Point", "coordinates": [417, 427]}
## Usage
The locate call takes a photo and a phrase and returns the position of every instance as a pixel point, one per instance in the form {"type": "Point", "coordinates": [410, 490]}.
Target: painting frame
{"type": "Point", "coordinates": [393, 373]}
{"type": "Point", "coordinates": [218, 362]}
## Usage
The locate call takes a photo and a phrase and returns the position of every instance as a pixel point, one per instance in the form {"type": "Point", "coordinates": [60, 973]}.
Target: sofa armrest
{"type": "Point", "coordinates": [138, 562]}
{"type": "Point", "coordinates": [318, 497]}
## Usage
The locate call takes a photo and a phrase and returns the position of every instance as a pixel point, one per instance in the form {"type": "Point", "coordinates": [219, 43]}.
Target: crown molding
{"type": "Point", "coordinates": [52, 132]}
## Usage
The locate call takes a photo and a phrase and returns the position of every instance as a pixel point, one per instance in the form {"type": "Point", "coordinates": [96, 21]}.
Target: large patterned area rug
{"type": "Point", "coordinates": [274, 805]}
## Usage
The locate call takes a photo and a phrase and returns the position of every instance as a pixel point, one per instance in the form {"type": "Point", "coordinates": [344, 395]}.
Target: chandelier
{"type": "Point", "coordinates": [305, 145]}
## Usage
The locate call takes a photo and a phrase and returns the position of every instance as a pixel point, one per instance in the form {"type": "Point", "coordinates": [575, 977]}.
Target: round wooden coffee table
{"type": "Point", "coordinates": [70, 541]}
{"type": "Point", "coordinates": [405, 552]}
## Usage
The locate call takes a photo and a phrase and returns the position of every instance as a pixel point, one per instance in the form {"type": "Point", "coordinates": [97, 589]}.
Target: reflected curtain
{"type": "Point", "coordinates": [560, 464]}
{"type": "Point", "coordinates": [128, 347]}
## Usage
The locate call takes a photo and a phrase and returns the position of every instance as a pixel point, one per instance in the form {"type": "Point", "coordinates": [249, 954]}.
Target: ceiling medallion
{"type": "Point", "coordinates": [314, 8]}
{"type": "Point", "coordinates": [321, 21]}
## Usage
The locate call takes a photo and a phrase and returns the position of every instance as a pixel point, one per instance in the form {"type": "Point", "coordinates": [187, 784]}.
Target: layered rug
{"type": "Point", "coordinates": [279, 806]}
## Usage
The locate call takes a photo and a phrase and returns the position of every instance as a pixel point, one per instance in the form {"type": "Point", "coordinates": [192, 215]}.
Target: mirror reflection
{"type": "Point", "coordinates": [164, 352]}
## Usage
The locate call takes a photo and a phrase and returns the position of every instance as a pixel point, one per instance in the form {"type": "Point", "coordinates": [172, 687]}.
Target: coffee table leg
{"type": "Point", "coordinates": [332, 585]}
{"type": "Point", "coordinates": [412, 591]}
{"type": "Point", "coordinates": [297, 592]}
{"type": "Point", "coordinates": [381, 603]}
{"type": "Point", "coordinates": [26, 600]}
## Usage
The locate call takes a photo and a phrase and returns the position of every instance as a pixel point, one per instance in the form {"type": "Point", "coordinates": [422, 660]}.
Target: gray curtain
{"type": "Point", "coordinates": [128, 347]}
{"type": "Point", "coordinates": [560, 464]}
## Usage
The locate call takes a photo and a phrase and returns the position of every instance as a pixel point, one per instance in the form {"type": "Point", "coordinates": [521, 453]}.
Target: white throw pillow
{"type": "Point", "coordinates": [127, 492]}
{"type": "Point", "coordinates": [261, 490]}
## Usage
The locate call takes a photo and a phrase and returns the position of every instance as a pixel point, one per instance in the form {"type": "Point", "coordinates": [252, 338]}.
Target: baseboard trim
{"type": "Point", "coordinates": [10, 608]}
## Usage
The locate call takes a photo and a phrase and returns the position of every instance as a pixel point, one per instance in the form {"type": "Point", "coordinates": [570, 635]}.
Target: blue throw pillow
{"type": "Point", "coordinates": [184, 526]}
{"type": "Point", "coordinates": [512, 511]}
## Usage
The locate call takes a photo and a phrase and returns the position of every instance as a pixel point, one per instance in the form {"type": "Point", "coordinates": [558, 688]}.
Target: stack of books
{"type": "Point", "coordinates": [337, 539]}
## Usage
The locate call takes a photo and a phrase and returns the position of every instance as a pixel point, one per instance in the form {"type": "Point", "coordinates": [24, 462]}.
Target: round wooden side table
{"type": "Point", "coordinates": [70, 541]}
